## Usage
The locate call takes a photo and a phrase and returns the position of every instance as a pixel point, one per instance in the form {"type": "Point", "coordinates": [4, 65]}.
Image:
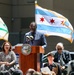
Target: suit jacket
{"type": "Point", "coordinates": [54, 67]}
{"type": "Point", "coordinates": [39, 39]}
{"type": "Point", "coordinates": [65, 56]}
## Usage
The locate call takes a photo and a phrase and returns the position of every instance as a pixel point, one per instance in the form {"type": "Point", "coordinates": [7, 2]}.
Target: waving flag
{"type": "Point", "coordinates": [52, 23]}
{"type": "Point", "coordinates": [3, 30]}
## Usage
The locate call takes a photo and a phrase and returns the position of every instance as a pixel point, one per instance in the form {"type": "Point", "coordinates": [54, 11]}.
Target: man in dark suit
{"type": "Point", "coordinates": [61, 56]}
{"type": "Point", "coordinates": [35, 38]}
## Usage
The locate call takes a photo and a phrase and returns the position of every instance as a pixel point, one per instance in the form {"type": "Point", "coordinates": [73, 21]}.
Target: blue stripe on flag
{"type": "Point", "coordinates": [54, 29]}
{"type": "Point", "coordinates": [47, 13]}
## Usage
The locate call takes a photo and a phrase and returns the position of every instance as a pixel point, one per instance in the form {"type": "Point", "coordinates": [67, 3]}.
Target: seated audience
{"type": "Point", "coordinates": [54, 67]}
{"type": "Point", "coordinates": [8, 60]}
{"type": "Point", "coordinates": [62, 57]}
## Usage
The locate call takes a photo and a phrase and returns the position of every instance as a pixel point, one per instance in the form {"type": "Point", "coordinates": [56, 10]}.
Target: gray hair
{"type": "Point", "coordinates": [60, 44]}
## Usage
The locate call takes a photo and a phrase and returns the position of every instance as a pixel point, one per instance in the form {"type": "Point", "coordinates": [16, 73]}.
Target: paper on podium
{"type": "Point", "coordinates": [45, 70]}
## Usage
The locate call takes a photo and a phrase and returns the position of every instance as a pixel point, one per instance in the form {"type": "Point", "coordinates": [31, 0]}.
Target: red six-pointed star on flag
{"type": "Point", "coordinates": [42, 19]}
{"type": "Point", "coordinates": [52, 21]}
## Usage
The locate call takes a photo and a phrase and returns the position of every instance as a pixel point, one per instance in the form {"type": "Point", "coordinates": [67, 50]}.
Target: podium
{"type": "Point", "coordinates": [29, 61]}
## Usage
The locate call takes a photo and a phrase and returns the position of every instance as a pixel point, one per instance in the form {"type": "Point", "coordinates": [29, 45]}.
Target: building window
{"type": "Point", "coordinates": [30, 1]}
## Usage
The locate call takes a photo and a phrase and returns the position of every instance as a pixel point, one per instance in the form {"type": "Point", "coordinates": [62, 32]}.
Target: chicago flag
{"type": "Point", "coordinates": [52, 23]}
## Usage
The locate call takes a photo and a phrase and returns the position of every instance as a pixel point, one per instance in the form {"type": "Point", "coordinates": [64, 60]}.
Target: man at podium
{"type": "Point", "coordinates": [35, 38]}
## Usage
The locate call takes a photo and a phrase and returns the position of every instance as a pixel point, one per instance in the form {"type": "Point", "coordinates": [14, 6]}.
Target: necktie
{"type": "Point", "coordinates": [61, 61]}
{"type": "Point", "coordinates": [59, 57]}
{"type": "Point", "coordinates": [33, 34]}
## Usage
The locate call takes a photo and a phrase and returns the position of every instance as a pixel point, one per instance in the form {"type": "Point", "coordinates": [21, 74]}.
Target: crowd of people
{"type": "Point", "coordinates": [57, 60]}
{"type": "Point", "coordinates": [62, 57]}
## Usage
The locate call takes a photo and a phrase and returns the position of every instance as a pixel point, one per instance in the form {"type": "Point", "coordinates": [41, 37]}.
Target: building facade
{"type": "Point", "coordinates": [17, 14]}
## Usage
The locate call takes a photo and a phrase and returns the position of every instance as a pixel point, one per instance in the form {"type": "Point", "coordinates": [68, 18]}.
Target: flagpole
{"type": "Point", "coordinates": [35, 8]}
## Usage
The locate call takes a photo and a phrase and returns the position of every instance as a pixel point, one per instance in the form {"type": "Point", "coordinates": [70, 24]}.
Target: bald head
{"type": "Point", "coordinates": [33, 26]}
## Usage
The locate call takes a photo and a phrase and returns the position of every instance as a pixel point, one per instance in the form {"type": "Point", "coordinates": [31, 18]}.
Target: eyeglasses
{"type": "Point", "coordinates": [7, 45]}
{"type": "Point", "coordinates": [59, 48]}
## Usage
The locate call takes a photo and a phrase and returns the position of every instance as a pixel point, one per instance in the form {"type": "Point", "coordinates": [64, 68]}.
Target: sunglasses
{"type": "Point", "coordinates": [59, 49]}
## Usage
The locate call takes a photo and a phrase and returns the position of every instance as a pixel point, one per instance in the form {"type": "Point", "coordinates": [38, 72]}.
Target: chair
{"type": "Point", "coordinates": [70, 68]}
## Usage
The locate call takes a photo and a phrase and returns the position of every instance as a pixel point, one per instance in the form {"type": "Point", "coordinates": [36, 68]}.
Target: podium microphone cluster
{"type": "Point", "coordinates": [29, 38]}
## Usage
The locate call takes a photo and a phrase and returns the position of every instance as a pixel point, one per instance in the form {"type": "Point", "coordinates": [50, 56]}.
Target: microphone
{"type": "Point", "coordinates": [29, 38]}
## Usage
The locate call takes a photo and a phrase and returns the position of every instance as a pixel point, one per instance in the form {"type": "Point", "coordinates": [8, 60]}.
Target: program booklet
{"type": "Point", "coordinates": [45, 70]}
